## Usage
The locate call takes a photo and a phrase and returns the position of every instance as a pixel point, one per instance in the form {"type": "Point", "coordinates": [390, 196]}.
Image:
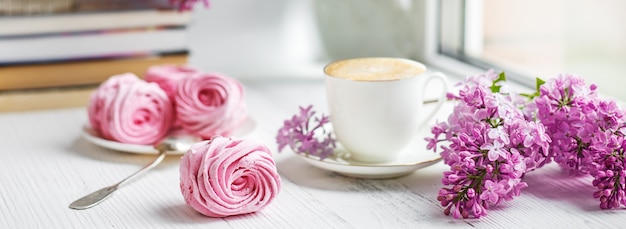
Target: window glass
{"type": "Point", "coordinates": [544, 38]}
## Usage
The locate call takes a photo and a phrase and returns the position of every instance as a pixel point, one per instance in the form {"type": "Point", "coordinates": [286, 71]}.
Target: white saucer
{"type": "Point", "coordinates": [412, 158]}
{"type": "Point", "coordinates": [245, 129]}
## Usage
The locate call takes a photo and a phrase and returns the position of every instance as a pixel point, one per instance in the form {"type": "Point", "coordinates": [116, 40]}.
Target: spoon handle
{"type": "Point", "coordinates": [94, 198]}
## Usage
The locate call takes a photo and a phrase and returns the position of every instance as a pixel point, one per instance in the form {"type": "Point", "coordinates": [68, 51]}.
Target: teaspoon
{"type": "Point", "coordinates": [102, 194]}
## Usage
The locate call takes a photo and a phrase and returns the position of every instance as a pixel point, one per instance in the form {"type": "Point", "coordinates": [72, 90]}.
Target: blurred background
{"type": "Point", "coordinates": [536, 38]}
{"type": "Point", "coordinates": [59, 43]}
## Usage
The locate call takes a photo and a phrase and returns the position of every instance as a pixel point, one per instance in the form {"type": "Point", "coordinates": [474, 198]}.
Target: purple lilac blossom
{"type": "Point", "coordinates": [609, 174]}
{"type": "Point", "coordinates": [588, 135]}
{"type": "Point", "coordinates": [564, 107]}
{"type": "Point", "coordinates": [489, 144]}
{"type": "Point", "coordinates": [306, 134]}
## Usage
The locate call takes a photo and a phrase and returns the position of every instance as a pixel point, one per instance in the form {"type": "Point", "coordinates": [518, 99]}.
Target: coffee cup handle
{"type": "Point", "coordinates": [440, 100]}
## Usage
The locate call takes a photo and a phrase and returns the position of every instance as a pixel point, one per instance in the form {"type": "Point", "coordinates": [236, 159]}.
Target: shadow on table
{"type": "Point", "coordinates": [184, 214]}
{"type": "Point", "coordinates": [415, 194]}
{"type": "Point", "coordinates": [552, 183]}
{"type": "Point", "coordinates": [299, 172]}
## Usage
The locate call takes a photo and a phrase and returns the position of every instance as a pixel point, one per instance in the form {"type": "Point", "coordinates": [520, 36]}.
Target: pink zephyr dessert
{"type": "Point", "coordinates": [127, 109]}
{"type": "Point", "coordinates": [223, 177]}
{"type": "Point", "coordinates": [210, 104]}
{"type": "Point", "coordinates": [168, 76]}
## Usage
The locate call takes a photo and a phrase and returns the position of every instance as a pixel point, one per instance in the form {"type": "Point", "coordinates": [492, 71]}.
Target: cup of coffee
{"type": "Point", "coordinates": [376, 104]}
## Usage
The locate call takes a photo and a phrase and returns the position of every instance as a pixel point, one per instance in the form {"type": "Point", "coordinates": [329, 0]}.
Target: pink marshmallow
{"type": "Point", "coordinates": [168, 76]}
{"type": "Point", "coordinates": [210, 104]}
{"type": "Point", "coordinates": [129, 110]}
{"type": "Point", "coordinates": [223, 177]}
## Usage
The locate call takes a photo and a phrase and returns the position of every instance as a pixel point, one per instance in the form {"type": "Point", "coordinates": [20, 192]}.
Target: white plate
{"type": "Point", "coordinates": [245, 129]}
{"type": "Point", "coordinates": [412, 158]}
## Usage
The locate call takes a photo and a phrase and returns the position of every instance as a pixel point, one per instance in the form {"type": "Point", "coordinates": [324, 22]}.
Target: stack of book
{"type": "Point", "coordinates": [93, 29]}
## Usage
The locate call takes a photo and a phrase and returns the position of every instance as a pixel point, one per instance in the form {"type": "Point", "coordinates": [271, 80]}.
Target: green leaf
{"type": "Point", "coordinates": [501, 78]}
{"type": "Point", "coordinates": [539, 82]}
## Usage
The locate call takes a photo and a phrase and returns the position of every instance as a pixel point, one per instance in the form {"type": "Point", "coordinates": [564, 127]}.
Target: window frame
{"type": "Point", "coordinates": [463, 33]}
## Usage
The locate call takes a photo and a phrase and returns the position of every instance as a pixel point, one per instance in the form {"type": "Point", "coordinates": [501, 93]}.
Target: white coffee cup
{"type": "Point", "coordinates": [376, 104]}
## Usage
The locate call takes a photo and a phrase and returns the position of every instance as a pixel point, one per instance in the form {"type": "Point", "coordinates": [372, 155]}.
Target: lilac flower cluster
{"type": "Point", "coordinates": [495, 136]}
{"type": "Point", "coordinates": [306, 134]}
{"type": "Point", "coordinates": [490, 144]}
{"type": "Point", "coordinates": [587, 133]}
{"type": "Point", "coordinates": [563, 107]}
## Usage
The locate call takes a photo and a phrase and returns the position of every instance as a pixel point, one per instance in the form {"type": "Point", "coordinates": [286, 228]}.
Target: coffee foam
{"type": "Point", "coordinates": [374, 69]}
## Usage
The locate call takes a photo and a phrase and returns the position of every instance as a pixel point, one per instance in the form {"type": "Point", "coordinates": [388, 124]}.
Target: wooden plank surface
{"type": "Point", "coordinates": [46, 164]}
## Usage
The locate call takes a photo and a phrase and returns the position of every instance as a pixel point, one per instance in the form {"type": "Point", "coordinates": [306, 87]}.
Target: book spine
{"type": "Point", "coordinates": [93, 45]}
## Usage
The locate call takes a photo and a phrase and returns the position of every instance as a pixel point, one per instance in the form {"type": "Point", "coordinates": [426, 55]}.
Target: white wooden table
{"type": "Point", "coordinates": [45, 165]}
